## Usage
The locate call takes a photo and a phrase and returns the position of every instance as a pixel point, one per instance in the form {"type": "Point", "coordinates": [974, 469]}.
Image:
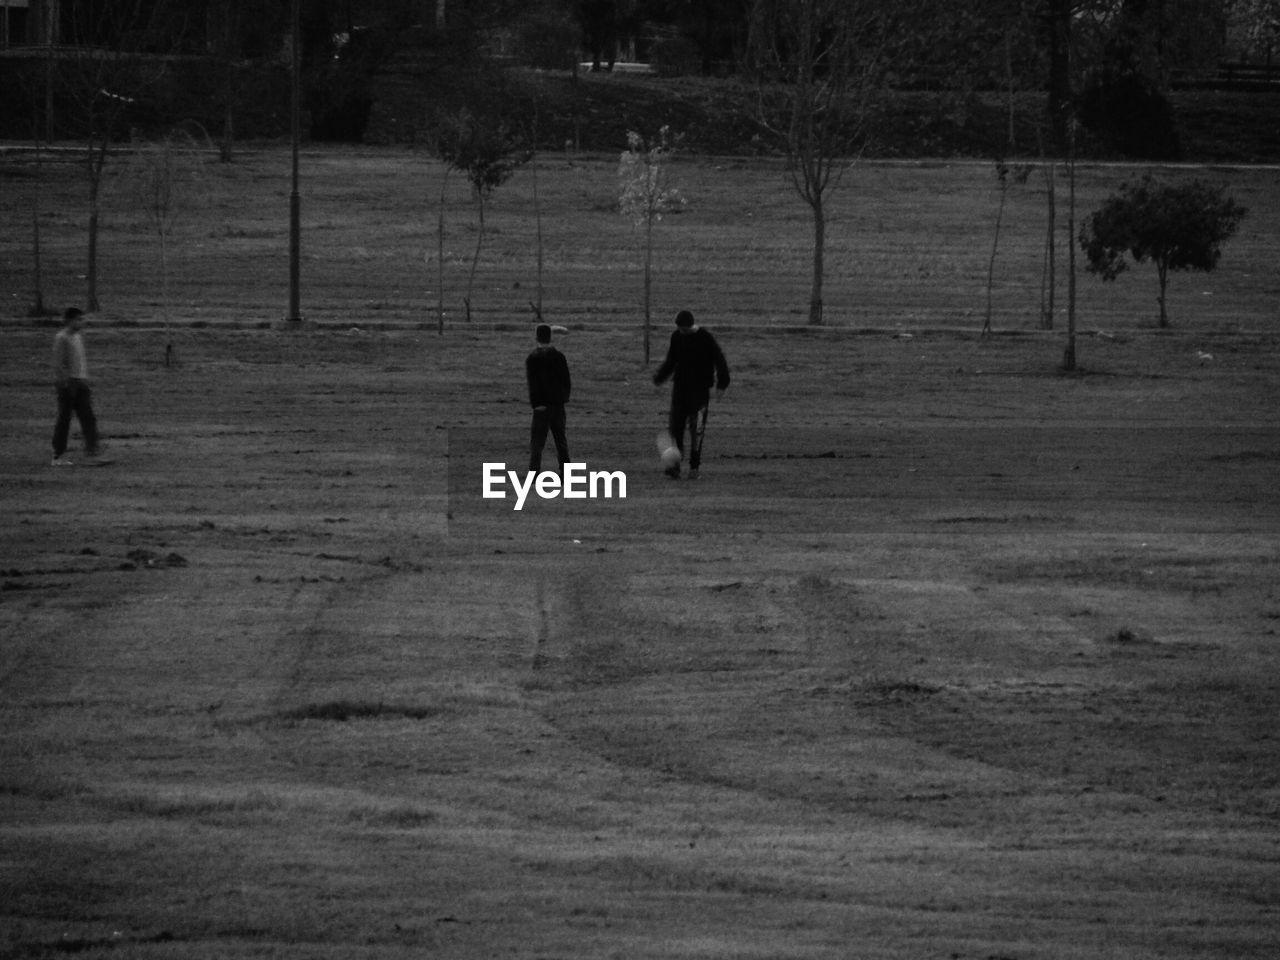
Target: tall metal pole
{"type": "Point", "coordinates": [47, 38]}
{"type": "Point", "coordinates": [295, 202]}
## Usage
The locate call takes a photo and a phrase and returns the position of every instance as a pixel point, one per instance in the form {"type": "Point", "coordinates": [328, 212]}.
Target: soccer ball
{"type": "Point", "coordinates": [668, 452]}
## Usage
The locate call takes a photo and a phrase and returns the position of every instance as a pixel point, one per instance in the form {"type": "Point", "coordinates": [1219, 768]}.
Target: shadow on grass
{"type": "Point", "coordinates": [343, 710]}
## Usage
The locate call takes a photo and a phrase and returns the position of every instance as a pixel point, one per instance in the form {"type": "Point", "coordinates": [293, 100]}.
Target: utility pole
{"type": "Point", "coordinates": [47, 26]}
{"type": "Point", "coordinates": [295, 201]}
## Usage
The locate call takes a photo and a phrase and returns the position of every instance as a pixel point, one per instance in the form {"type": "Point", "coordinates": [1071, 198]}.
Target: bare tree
{"type": "Point", "coordinates": [38, 87]}
{"type": "Point", "coordinates": [1069, 351]}
{"type": "Point", "coordinates": [158, 179]}
{"type": "Point", "coordinates": [440, 229]}
{"type": "Point", "coordinates": [224, 41]}
{"type": "Point", "coordinates": [819, 65]}
{"type": "Point", "coordinates": [645, 196]}
{"type": "Point", "coordinates": [109, 65]}
{"type": "Point", "coordinates": [1003, 173]}
{"type": "Point", "coordinates": [1048, 273]}
{"type": "Point", "coordinates": [537, 220]}
{"type": "Point", "coordinates": [38, 308]}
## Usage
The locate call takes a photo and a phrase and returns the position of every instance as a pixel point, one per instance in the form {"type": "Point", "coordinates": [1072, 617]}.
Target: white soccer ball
{"type": "Point", "coordinates": [668, 452]}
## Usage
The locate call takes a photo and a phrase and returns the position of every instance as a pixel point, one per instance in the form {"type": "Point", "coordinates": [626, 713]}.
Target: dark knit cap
{"type": "Point", "coordinates": [684, 319]}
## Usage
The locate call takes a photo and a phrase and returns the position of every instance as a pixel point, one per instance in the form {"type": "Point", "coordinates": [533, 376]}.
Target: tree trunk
{"type": "Point", "coordinates": [1069, 356]}
{"type": "Point", "coordinates": [91, 272]}
{"type": "Point", "coordinates": [226, 146]}
{"type": "Point", "coordinates": [49, 117]}
{"type": "Point", "coordinates": [1162, 269]}
{"type": "Point", "coordinates": [444, 182]}
{"type": "Point", "coordinates": [819, 251]}
{"type": "Point", "coordinates": [537, 216]}
{"type": "Point", "coordinates": [1008, 71]}
{"type": "Point", "coordinates": [475, 260]}
{"type": "Point", "coordinates": [95, 164]}
{"type": "Point", "coordinates": [37, 305]}
{"type": "Point", "coordinates": [648, 260]}
{"type": "Point", "coordinates": [1049, 280]}
{"type": "Point", "coordinates": [164, 276]}
{"type": "Point", "coordinates": [1002, 173]}
{"type": "Point", "coordinates": [164, 296]}
{"type": "Point", "coordinates": [1059, 30]}
{"type": "Point", "coordinates": [227, 47]}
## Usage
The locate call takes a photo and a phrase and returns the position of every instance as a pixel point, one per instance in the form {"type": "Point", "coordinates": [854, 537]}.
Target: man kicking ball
{"type": "Point", "coordinates": [694, 365]}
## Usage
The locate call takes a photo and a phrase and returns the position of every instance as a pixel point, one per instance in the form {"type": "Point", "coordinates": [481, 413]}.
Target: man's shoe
{"type": "Point", "coordinates": [62, 462]}
{"type": "Point", "coordinates": [673, 472]}
{"type": "Point", "coordinates": [693, 473]}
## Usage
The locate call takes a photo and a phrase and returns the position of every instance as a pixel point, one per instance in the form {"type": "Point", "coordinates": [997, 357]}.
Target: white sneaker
{"type": "Point", "coordinates": [62, 462]}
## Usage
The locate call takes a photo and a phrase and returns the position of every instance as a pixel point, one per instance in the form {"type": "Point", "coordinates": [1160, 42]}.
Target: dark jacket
{"type": "Point", "coordinates": [548, 374]}
{"type": "Point", "coordinates": [695, 364]}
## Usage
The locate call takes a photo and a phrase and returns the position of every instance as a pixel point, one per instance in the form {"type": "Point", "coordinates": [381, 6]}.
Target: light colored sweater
{"type": "Point", "coordinates": [69, 361]}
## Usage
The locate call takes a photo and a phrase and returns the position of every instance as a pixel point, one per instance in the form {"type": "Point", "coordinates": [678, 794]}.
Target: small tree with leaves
{"type": "Point", "coordinates": [645, 197]}
{"type": "Point", "coordinates": [1176, 226]}
{"type": "Point", "coordinates": [488, 153]}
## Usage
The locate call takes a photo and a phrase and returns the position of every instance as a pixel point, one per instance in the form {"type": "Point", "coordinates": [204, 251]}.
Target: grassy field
{"type": "Point", "coordinates": [946, 655]}
{"type": "Point", "coordinates": [909, 245]}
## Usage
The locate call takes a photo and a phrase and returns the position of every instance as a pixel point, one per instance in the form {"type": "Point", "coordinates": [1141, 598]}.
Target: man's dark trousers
{"type": "Point", "coordinates": [75, 397]}
{"type": "Point", "coordinates": [685, 410]}
{"type": "Point", "coordinates": [548, 419]}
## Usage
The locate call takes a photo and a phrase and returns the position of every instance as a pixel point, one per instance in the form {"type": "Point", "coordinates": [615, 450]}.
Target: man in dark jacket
{"type": "Point", "coordinates": [548, 374]}
{"type": "Point", "coordinates": [694, 364]}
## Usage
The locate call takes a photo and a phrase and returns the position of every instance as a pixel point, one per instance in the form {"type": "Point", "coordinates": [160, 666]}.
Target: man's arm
{"type": "Point", "coordinates": [669, 364]}
{"type": "Point", "coordinates": [565, 378]}
{"type": "Point", "coordinates": [61, 361]}
{"type": "Point", "coordinates": [722, 366]}
{"type": "Point", "coordinates": [529, 376]}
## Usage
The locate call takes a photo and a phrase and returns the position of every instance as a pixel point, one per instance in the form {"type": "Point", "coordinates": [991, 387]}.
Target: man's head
{"type": "Point", "coordinates": [542, 333]}
{"type": "Point", "coordinates": [73, 317]}
{"type": "Point", "coordinates": [684, 321]}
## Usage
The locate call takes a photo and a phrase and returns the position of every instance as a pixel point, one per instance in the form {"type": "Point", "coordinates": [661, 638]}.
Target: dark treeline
{"type": "Point", "coordinates": [225, 64]}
